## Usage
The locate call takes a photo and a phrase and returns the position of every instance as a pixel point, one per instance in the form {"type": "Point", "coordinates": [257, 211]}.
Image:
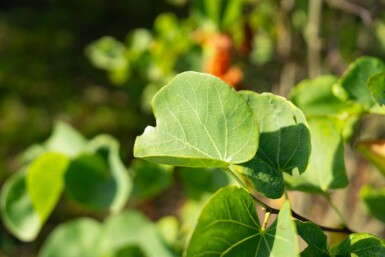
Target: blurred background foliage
{"type": "Point", "coordinates": [96, 65]}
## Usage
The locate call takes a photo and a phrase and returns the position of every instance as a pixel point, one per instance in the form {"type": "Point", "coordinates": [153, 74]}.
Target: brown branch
{"type": "Point", "coordinates": [267, 208]}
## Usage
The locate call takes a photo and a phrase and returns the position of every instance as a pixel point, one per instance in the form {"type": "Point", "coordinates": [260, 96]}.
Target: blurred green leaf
{"type": "Point", "coordinates": [199, 181]}
{"type": "Point", "coordinates": [89, 183]}
{"type": "Point", "coordinates": [65, 140]}
{"type": "Point", "coordinates": [353, 84]}
{"type": "Point", "coordinates": [229, 225]}
{"type": "Point", "coordinates": [78, 238]}
{"type": "Point", "coordinates": [107, 53]}
{"type": "Point", "coordinates": [222, 13]}
{"type": "Point", "coordinates": [109, 147]}
{"type": "Point", "coordinates": [284, 143]}
{"type": "Point", "coordinates": [149, 179]}
{"type": "Point", "coordinates": [98, 179]}
{"type": "Point", "coordinates": [168, 227]}
{"type": "Point", "coordinates": [45, 182]}
{"type": "Point", "coordinates": [130, 251]}
{"type": "Point", "coordinates": [315, 97]}
{"type": "Point", "coordinates": [188, 111]}
{"type": "Point", "coordinates": [326, 169]}
{"type": "Point", "coordinates": [315, 239]}
{"type": "Point", "coordinates": [373, 200]}
{"type": "Point", "coordinates": [376, 85]}
{"type": "Point", "coordinates": [132, 228]}
{"type": "Point", "coordinates": [17, 211]}
{"type": "Point", "coordinates": [360, 245]}
{"type": "Point", "coordinates": [374, 151]}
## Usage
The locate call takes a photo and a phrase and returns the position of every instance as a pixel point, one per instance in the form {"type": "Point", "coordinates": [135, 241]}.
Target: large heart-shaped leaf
{"type": "Point", "coordinates": [201, 122]}
{"type": "Point", "coordinates": [229, 226]}
{"type": "Point", "coordinates": [17, 211]}
{"type": "Point", "coordinates": [353, 84]}
{"type": "Point", "coordinates": [284, 143]}
{"type": "Point", "coordinates": [45, 182]}
{"type": "Point", "coordinates": [326, 169]}
{"type": "Point", "coordinates": [98, 179]}
{"type": "Point", "coordinates": [360, 245]}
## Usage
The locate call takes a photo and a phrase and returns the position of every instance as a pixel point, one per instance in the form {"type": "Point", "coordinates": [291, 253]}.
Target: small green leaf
{"type": "Point", "coordinates": [107, 53]}
{"type": "Point", "coordinates": [78, 238]}
{"type": "Point", "coordinates": [353, 84]}
{"type": "Point", "coordinates": [284, 143]}
{"type": "Point", "coordinates": [315, 97]}
{"type": "Point", "coordinates": [201, 122]}
{"type": "Point", "coordinates": [149, 179]}
{"type": "Point", "coordinates": [229, 226]}
{"type": "Point", "coordinates": [222, 13]}
{"type": "Point", "coordinates": [374, 200]}
{"type": "Point", "coordinates": [361, 245]}
{"type": "Point", "coordinates": [65, 140]}
{"type": "Point", "coordinates": [376, 85]}
{"type": "Point", "coordinates": [17, 211]}
{"type": "Point", "coordinates": [315, 239]}
{"type": "Point", "coordinates": [98, 179]}
{"type": "Point", "coordinates": [132, 228]}
{"type": "Point", "coordinates": [45, 182]}
{"type": "Point", "coordinates": [326, 169]}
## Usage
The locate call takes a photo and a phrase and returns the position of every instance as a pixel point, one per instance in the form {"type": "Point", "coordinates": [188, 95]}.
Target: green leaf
{"type": "Point", "coordinates": [326, 169]}
{"type": "Point", "coordinates": [98, 179]}
{"type": "Point", "coordinates": [109, 147]}
{"type": "Point", "coordinates": [376, 85]}
{"type": "Point", "coordinates": [284, 143]}
{"type": "Point", "coordinates": [361, 245]}
{"type": "Point", "coordinates": [229, 226]}
{"type": "Point", "coordinates": [373, 200]}
{"type": "Point", "coordinates": [65, 140]}
{"type": "Point", "coordinates": [353, 84]}
{"type": "Point", "coordinates": [17, 211]}
{"type": "Point", "coordinates": [132, 228]}
{"type": "Point", "coordinates": [315, 239]}
{"type": "Point", "coordinates": [45, 182]}
{"type": "Point", "coordinates": [374, 151]}
{"type": "Point", "coordinates": [123, 234]}
{"type": "Point", "coordinates": [149, 179]}
{"type": "Point", "coordinates": [78, 238]}
{"type": "Point", "coordinates": [201, 122]}
{"type": "Point", "coordinates": [107, 53]}
{"type": "Point", "coordinates": [315, 97]}
{"type": "Point", "coordinates": [222, 13]}
{"type": "Point", "coordinates": [200, 181]}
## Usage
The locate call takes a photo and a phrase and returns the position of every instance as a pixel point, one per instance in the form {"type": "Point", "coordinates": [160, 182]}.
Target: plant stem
{"type": "Point", "coordinates": [267, 216]}
{"type": "Point", "coordinates": [344, 229]}
{"type": "Point", "coordinates": [334, 207]}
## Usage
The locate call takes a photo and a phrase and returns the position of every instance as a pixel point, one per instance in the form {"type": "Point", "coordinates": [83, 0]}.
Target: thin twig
{"type": "Point", "coordinates": [344, 229]}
